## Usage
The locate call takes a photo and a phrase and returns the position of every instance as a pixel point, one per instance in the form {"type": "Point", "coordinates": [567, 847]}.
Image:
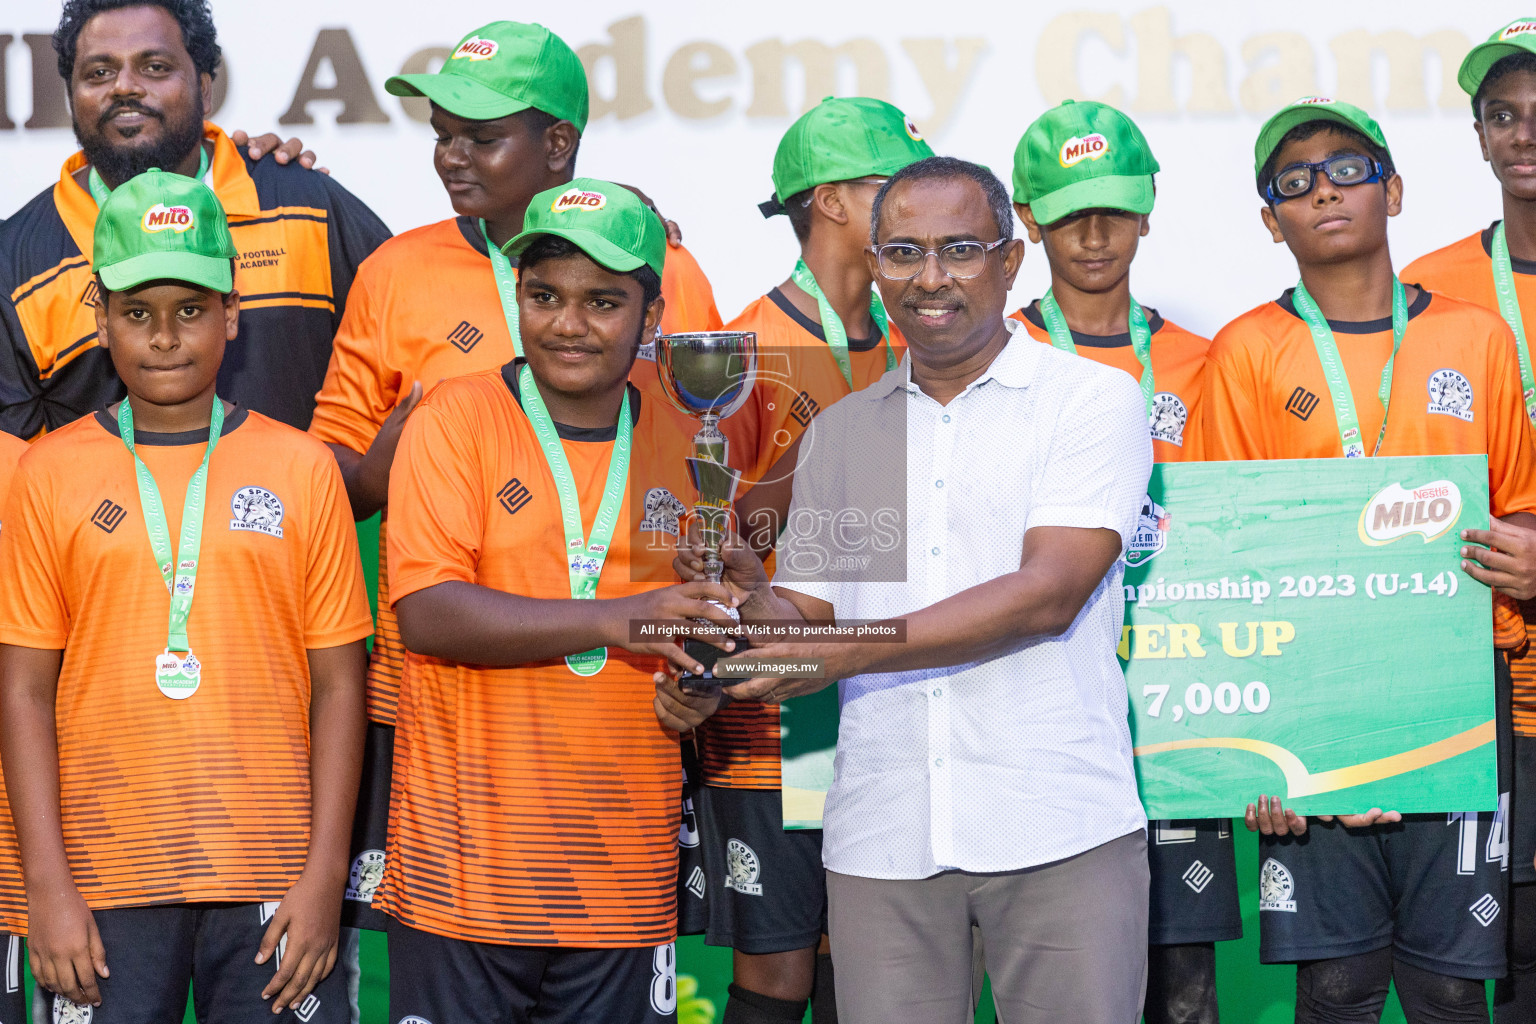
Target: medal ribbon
{"type": "Point", "coordinates": [506, 287]}
{"type": "Point", "coordinates": [1141, 340]}
{"type": "Point", "coordinates": [832, 325]}
{"type": "Point", "coordinates": [585, 557]}
{"type": "Point", "coordinates": [99, 190]}
{"type": "Point", "coordinates": [181, 574]}
{"type": "Point", "coordinates": [1509, 306]}
{"type": "Point", "coordinates": [1333, 367]}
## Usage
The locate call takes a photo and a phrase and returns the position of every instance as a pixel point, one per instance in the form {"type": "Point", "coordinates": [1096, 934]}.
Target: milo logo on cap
{"type": "Point", "coordinates": [1090, 147]}
{"type": "Point", "coordinates": [1312, 101]}
{"type": "Point", "coordinates": [1519, 28]}
{"type": "Point", "coordinates": [912, 132]}
{"type": "Point", "coordinates": [576, 199]}
{"type": "Point", "coordinates": [166, 218]}
{"type": "Point", "coordinates": [476, 48]}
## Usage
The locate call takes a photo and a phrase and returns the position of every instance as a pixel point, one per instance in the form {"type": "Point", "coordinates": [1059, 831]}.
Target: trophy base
{"type": "Point", "coordinates": [706, 655]}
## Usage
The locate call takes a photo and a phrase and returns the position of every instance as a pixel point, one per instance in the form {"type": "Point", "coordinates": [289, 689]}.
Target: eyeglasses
{"type": "Point", "coordinates": [1297, 180]}
{"type": "Point", "coordinates": [902, 261]}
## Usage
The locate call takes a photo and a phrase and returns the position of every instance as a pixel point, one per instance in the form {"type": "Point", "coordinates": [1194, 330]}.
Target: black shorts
{"type": "Point", "coordinates": [13, 993]}
{"type": "Point", "coordinates": [692, 890]}
{"type": "Point", "coordinates": [767, 888]}
{"type": "Point", "coordinates": [437, 980]}
{"type": "Point", "coordinates": [1522, 812]}
{"type": "Point", "coordinates": [370, 828]}
{"type": "Point", "coordinates": [1194, 882]}
{"type": "Point", "coordinates": [156, 953]}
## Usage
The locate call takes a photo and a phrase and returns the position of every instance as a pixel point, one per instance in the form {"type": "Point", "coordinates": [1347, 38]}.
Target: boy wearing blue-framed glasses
{"type": "Point", "coordinates": [1361, 901]}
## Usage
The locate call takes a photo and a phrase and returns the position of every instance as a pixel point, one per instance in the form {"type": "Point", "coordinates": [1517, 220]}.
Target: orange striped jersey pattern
{"type": "Point", "coordinates": [1464, 270]}
{"type": "Point", "coordinates": [425, 308]}
{"type": "Point", "coordinates": [205, 798]}
{"type": "Point", "coordinates": [1178, 365]}
{"type": "Point", "coordinates": [797, 378]}
{"type": "Point", "coordinates": [531, 806]}
{"type": "Point", "coordinates": [12, 448]}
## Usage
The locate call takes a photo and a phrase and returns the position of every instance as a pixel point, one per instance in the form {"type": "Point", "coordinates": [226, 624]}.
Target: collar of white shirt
{"type": "Point", "coordinates": [1013, 367]}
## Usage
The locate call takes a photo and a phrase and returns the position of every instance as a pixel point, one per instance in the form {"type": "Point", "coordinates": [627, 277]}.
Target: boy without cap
{"type": "Point", "coordinates": [821, 334]}
{"type": "Point", "coordinates": [1083, 186]}
{"type": "Point", "coordinates": [508, 106]}
{"type": "Point", "coordinates": [1377, 897]}
{"type": "Point", "coordinates": [533, 830]}
{"type": "Point", "coordinates": [182, 787]}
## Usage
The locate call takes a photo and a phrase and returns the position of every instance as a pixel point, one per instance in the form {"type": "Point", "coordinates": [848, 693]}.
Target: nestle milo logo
{"type": "Point", "coordinates": [1090, 147]}
{"type": "Point", "coordinates": [576, 199]}
{"type": "Point", "coordinates": [167, 218]}
{"type": "Point", "coordinates": [475, 48]}
{"type": "Point", "coordinates": [1395, 512]}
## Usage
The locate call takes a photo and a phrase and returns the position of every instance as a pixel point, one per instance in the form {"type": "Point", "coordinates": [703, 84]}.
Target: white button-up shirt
{"type": "Point", "coordinates": [1023, 758]}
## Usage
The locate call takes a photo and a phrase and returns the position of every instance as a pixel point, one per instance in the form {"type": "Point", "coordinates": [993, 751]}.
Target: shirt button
{"type": "Point", "coordinates": [946, 417]}
{"type": "Point", "coordinates": [938, 483]}
{"type": "Point", "coordinates": [938, 762]}
{"type": "Point", "coordinates": [935, 550]}
{"type": "Point", "coordinates": [938, 693]}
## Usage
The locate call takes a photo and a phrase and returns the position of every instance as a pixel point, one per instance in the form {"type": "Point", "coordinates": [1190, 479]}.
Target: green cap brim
{"type": "Point", "coordinates": [1275, 130]}
{"type": "Point", "coordinates": [597, 246]}
{"type": "Point", "coordinates": [1111, 192]}
{"type": "Point", "coordinates": [460, 95]}
{"type": "Point", "coordinates": [1482, 57]}
{"type": "Point", "coordinates": [211, 272]}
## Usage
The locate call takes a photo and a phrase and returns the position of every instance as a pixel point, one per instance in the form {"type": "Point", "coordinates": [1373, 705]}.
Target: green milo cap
{"type": "Point", "coordinates": [162, 226]}
{"type": "Point", "coordinates": [608, 222]}
{"type": "Point", "coordinates": [1518, 36]}
{"type": "Point", "coordinates": [842, 138]}
{"type": "Point", "coordinates": [1313, 108]}
{"type": "Point", "coordinates": [503, 68]}
{"type": "Point", "coordinates": [1083, 156]}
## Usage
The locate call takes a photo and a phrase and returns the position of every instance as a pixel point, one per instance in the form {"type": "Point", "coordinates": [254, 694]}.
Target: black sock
{"type": "Point", "coordinates": [747, 1007]}
{"type": "Point", "coordinates": [823, 992]}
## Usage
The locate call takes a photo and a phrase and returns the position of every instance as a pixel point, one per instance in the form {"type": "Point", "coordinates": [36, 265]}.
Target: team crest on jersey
{"type": "Point", "coordinates": [1151, 534]}
{"type": "Point", "coordinates": [475, 48]}
{"type": "Point", "coordinates": [742, 868]}
{"type": "Point", "coordinates": [1090, 147]}
{"type": "Point", "coordinates": [1169, 414]}
{"type": "Point", "coordinates": [663, 510]}
{"type": "Point", "coordinates": [167, 218]}
{"type": "Point", "coordinates": [1450, 394]}
{"type": "Point", "coordinates": [577, 199]}
{"type": "Point", "coordinates": [367, 873]}
{"type": "Point", "coordinates": [67, 1011]}
{"type": "Point", "coordinates": [258, 510]}
{"type": "Point", "coordinates": [1276, 887]}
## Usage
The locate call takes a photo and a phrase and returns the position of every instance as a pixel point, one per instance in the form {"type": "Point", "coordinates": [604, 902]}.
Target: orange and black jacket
{"type": "Point", "coordinates": [300, 237]}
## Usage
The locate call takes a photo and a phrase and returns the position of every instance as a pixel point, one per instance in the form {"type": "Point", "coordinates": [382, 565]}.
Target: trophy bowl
{"type": "Point", "coordinates": [707, 373]}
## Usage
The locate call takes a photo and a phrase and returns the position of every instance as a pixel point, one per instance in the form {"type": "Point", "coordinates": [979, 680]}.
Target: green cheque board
{"type": "Point", "coordinates": [1300, 628]}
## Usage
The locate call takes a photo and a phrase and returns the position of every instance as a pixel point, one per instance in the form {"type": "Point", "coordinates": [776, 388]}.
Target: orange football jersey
{"type": "Point", "coordinates": [206, 798]}
{"type": "Point", "coordinates": [1464, 270]}
{"type": "Point", "coordinates": [425, 308]}
{"type": "Point", "coordinates": [1178, 364]}
{"type": "Point", "coordinates": [531, 806]}
{"type": "Point", "coordinates": [797, 378]}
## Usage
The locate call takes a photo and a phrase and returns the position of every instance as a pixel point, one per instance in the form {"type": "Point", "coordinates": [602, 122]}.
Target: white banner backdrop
{"type": "Point", "coordinates": [690, 99]}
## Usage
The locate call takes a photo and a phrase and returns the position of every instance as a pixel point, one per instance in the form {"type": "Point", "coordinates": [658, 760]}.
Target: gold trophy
{"type": "Point", "coordinates": [709, 375]}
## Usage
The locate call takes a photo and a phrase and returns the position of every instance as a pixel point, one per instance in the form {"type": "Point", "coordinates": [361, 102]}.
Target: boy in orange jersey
{"type": "Point", "coordinates": [13, 1001]}
{"type": "Point", "coordinates": [821, 334]}
{"type": "Point", "coordinates": [532, 850]}
{"type": "Point", "coordinates": [198, 834]}
{"type": "Point", "coordinates": [1496, 269]}
{"type": "Point", "coordinates": [1373, 898]}
{"type": "Point", "coordinates": [1083, 186]}
{"type": "Point", "coordinates": [508, 107]}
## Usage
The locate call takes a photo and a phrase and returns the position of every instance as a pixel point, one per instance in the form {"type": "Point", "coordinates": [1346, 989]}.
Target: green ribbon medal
{"type": "Point", "coordinates": [1333, 367]}
{"type": "Point", "coordinates": [177, 676]}
{"type": "Point", "coordinates": [99, 190]}
{"type": "Point", "coordinates": [506, 287]}
{"type": "Point", "coordinates": [1509, 306]}
{"type": "Point", "coordinates": [586, 557]}
{"type": "Point", "coordinates": [832, 325]}
{"type": "Point", "coordinates": [1141, 340]}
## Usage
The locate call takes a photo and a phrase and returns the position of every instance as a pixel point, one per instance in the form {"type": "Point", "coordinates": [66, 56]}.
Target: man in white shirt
{"type": "Point", "coordinates": [983, 770]}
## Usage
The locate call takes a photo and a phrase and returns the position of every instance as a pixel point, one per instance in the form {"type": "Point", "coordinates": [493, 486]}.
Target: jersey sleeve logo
{"type": "Point", "coordinates": [107, 515]}
{"type": "Point", "coordinates": [804, 408]}
{"type": "Point", "coordinates": [1301, 403]}
{"type": "Point", "coordinates": [465, 336]}
{"type": "Point", "coordinates": [514, 495]}
{"type": "Point", "coordinates": [366, 874]}
{"type": "Point", "coordinates": [1169, 414]}
{"type": "Point", "coordinates": [1151, 534]}
{"type": "Point", "coordinates": [663, 510]}
{"type": "Point", "coordinates": [1450, 394]}
{"type": "Point", "coordinates": [257, 510]}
